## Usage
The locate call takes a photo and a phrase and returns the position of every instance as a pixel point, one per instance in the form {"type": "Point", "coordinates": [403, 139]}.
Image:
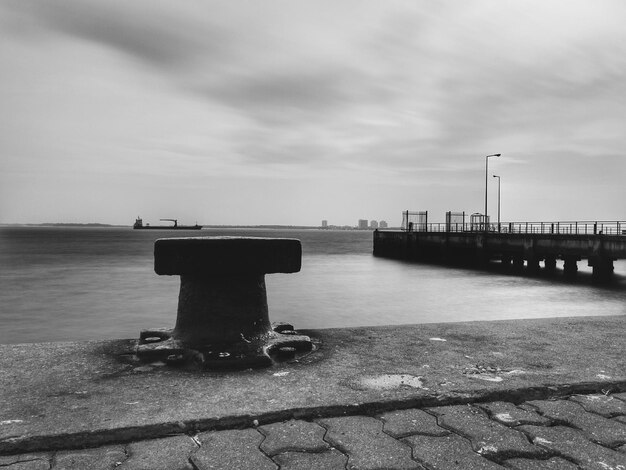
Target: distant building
{"type": "Point", "coordinates": [324, 223]}
{"type": "Point", "coordinates": [362, 224]}
{"type": "Point", "coordinates": [383, 224]}
{"type": "Point", "coordinates": [373, 224]}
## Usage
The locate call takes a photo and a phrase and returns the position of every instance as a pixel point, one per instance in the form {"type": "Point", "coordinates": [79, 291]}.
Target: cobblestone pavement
{"type": "Point", "coordinates": [582, 431]}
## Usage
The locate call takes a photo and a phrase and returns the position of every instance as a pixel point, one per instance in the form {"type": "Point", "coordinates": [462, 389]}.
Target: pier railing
{"type": "Point", "coordinates": [557, 228]}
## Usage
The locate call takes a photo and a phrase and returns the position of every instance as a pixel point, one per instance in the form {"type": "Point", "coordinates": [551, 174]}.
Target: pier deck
{"type": "Point", "coordinates": [539, 244]}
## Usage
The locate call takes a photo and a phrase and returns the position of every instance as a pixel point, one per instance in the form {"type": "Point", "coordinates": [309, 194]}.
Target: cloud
{"type": "Point", "coordinates": [162, 37]}
{"type": "Point", "coordinates": [281, 97]}
{"type": "Point", "coordinates": [361, 92]}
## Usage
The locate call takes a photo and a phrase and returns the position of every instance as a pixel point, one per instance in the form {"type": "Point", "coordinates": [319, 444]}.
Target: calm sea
{"type": "Point", "coordinates": [65, 284]}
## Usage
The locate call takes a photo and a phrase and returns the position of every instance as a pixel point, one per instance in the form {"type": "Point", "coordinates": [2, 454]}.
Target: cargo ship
{"type": "Point", "coordinates": [140, 226]}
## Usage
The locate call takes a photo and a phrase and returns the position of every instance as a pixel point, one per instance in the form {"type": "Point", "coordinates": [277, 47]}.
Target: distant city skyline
{"type": "Point", "coordinates": [361, 224]}
{"type": "Point", "coordinates": [290, 111]}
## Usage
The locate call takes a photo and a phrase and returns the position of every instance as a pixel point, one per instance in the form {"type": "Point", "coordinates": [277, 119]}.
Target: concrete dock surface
{"type": "Point", "coordinates": [547, 393]}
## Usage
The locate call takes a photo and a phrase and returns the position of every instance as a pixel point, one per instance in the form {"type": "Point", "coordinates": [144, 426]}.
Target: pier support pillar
{"type": "Point", "coordinates": [482, 259]}
{"type": "Point", "coordinates": [532, 262]}
{"type": "Point", "coordinates": [550, 265]}
{"type": "Point", "coordinates": [602, 269]}
{"type": "Point", "coordinates": [506, 261]}
{"type": "Point", "coordinates": [570, 266]}
{"type": "Point", "coordinates": [481, 256]}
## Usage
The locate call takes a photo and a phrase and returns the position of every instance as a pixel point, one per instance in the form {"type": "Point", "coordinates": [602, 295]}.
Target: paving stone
{"type": "Point", "coordinates": [555, 463]}
{"type": "Point", "coordinates": [574, 445]}
{"type": "Point", "coordinates": [29, 465]}
{"type": "Point", "coordinates": [412, 421]}
{"type": "Point", "coordinates": [294, 435]}
{"type": "Point", "coordinates": [232, 449]}
{"type": "Point", "coordinates": [447, 452]}
{"type": "Point", "coordinates": [605, 405]}
{"type": "Point", "coordinates": [507, 413]}
{"type": "Point", "coordinates": [25, 462]}
{"type": "Point", "coordinates": [605, 431]}
{"type": "Point", "coordinates": [330, 459]}
{"type": "Point", "coordinates": [170, 453]}
{"type": "Point", "coordinates": [620, 396]}
{"type": "Point", "coordinates": [527, 407]}
{"type": "Point", "coordinates": [99, 458]}
{"type": "Point", "coordinates": [367, 446]}
{"type": "Point", "coordinates": [488, 437]}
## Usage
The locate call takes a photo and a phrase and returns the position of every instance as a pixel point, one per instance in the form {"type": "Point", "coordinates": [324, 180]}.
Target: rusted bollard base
{"type": "Point", "coordinates": [282, 343]}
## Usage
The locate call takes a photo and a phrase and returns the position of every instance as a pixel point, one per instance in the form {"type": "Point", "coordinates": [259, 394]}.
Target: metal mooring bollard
{"type": "Point", "coordinates": [223, 319]}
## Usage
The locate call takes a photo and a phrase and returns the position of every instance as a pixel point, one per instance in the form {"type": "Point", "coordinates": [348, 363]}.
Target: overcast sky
{"type": "Point", "coordinates": [290, 112]}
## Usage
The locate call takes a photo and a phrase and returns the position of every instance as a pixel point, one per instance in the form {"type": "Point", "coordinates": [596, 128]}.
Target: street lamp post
{"type": "Point", "coordinates": [496, 176]}
{"type": "Point", "coordinates": [486, 182]}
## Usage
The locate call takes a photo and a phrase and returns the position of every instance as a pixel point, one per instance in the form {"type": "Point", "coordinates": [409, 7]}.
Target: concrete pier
{"type": "Point", "coordinates": [514, 394]}
{"type": "Point", "coordinates": [478, 248]}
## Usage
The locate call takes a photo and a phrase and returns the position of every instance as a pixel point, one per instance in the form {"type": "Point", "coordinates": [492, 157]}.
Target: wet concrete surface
{"type": "Point", "coordinates": [65, 395]}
